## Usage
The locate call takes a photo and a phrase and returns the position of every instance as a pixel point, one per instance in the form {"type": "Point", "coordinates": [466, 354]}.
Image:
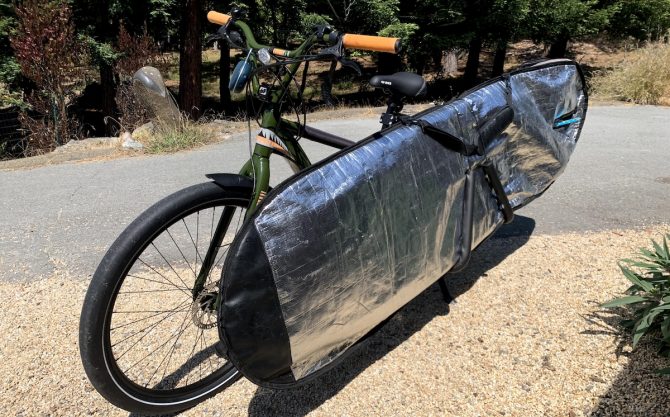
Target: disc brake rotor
{"type": "Point", "coordinates": [203, 311]}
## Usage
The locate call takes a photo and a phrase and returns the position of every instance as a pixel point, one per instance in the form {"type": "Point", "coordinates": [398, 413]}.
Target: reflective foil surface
{"type": "Point", "coordinates": [357, 237]}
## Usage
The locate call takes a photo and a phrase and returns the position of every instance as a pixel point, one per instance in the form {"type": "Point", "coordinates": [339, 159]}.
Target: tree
{"type": "Point", "coordinates": [9, 68]}
{"type": "Point", "coordinates": [50, 55]}
{"type": "Point", "coordinates": [645, 20]}
{"type": "Point", "coordinates": [190, 58]}
{"type": "Point", "coordinates": [441, 30]}
{"type": "Point", "coordinates": [476, 13]}
{"type": "Point", "coordinates": [96, 24]}
{"type": "Point", "coordinates": [224, 60]}
{"type": "Point", "coordinates": [556, 22]}
{"type": "Point", "coordinates": [504, 24]}
{"type": "Point", "coordinates": [163, 21]}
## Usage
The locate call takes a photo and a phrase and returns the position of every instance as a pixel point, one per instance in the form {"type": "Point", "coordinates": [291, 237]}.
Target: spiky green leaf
{"type": "Point", "coordinates": [660, 252]}
{"type": "Point", "coordinates": [636, 280]}
{"type": "Point", "coordinates": [633, 299]}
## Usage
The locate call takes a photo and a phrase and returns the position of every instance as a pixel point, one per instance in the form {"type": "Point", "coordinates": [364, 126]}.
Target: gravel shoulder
{"type": "Point", "coordinates": [525, 338]}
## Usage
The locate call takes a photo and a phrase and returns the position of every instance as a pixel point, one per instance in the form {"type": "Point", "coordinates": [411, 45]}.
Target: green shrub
{"type": "Point", "coordinates": [648, 299]}
{"type": "Point", "coordinates": [643, 78]}
{"type": "Point", "coordinates": [310, 20]}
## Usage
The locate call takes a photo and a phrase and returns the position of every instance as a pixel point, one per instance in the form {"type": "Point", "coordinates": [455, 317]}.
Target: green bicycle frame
{"type": "Point", "coordinates": [258, 167]}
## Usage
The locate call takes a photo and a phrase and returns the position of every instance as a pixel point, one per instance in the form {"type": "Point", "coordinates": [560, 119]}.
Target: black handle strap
{"type": "Point", "coordinates": [456, 144]}
{"type": "Point", "coordinates": [496, 184]}
{"type": "Point", "coordinates": [445, 139]}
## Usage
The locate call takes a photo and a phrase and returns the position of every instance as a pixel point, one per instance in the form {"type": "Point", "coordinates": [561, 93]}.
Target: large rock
{"type": "Point", "coordinates": [150, 88]}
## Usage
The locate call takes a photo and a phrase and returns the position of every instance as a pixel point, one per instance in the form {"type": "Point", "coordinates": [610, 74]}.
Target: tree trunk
{"type": "Point", "coordinates": [472, 66]}
{"type": "Point", "coordinates": [449, 63]}
{"type": "Point", "coordinates": [107, 79]}
{"type": "Point", "coordinates": [559, 48]}
{"type": "Point", "coordinates": [108, 85]}
{"type": "Point", "coordinates": [224, 77]}
{"type": "Point", "coordinates": [190, 59]}
{"type": "Point", "coordinates": [499, 59]}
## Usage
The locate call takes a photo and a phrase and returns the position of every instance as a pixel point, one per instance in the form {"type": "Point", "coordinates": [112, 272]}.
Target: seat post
{"type": "Point", "coordinates": [392, 115]}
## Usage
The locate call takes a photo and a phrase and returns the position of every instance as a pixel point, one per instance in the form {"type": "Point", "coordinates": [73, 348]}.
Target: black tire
{"type": "Point", "coordinates": [126, 267]}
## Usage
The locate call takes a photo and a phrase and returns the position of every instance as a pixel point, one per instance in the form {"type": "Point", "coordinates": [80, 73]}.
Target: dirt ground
{"type": "Point", "coordinates": [526, 337]}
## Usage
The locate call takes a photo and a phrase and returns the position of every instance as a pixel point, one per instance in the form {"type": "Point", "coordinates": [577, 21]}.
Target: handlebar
{"type": "Point", "coordinates": [218, 18]}
{"type": "Point", "coordinates": [349, 41]}
{"type": "Point", "coordinates": [371, 43]}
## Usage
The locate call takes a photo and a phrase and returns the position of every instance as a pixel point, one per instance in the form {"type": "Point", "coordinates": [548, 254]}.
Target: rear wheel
{"type": "Point", "coordinates": [148, 332]}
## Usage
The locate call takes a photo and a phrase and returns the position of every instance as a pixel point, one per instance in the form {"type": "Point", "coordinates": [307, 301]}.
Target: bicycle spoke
{"type": "Point", "coordinates": [209, 358]}
{"type": "Point", "coordinates": [157, 335]}
{"type": "Point", "coordinates": [139, 320]}
{"type": "Point", "coordinates": [197, 240]}
{"type": "Point", "coordinates": [223, 254]}
{"type": "Point", "coordinates": [144, 311]}
{"type": "Point", "coordinates": [149, 328]}
{"type": "Point", "coordinates": [182, 328]}
{"type": "Point", "coordinates": [156, 282]}
{"type": "Point", "coordinates": [169, 264]}
{"type": "Point", "coordinates": [193, 350]}
{"type": "Point", "coordinates": [211, 231]}
{"type": "Point", "coordinates": [180, 251]}
{"type": "Point", "coordinates": [152, 326]}
{"type": "Point", "coordinates": [150, 291]}
{"type": "Point", "coordinates": [195, 274]}
{"type": "Point", "coordinates": [171, 353]}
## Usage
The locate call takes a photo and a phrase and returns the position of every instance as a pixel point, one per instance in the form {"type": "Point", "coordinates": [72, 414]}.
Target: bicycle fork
{"type": "Point", "coordinates": [259, 168]}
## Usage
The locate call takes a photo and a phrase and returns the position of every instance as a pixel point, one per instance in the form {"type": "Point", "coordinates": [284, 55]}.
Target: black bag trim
{"type": "Point", "coordinates": [261, 309]}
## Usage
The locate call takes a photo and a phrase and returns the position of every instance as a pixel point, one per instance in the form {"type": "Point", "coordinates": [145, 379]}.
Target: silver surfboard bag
{"type": "Point", "coordinates": [339, 248]}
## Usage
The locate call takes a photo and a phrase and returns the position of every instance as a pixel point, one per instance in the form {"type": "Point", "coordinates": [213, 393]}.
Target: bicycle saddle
{"type": "Point", "coordinates": [401, 83]}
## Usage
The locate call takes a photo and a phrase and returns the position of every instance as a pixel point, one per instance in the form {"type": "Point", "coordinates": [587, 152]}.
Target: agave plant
{"type": "Point", "coordinates": [649, 296]}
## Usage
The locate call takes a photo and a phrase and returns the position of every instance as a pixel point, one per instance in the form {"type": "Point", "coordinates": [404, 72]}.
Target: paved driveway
{"type": "Point", "coordinates": [65, 216]}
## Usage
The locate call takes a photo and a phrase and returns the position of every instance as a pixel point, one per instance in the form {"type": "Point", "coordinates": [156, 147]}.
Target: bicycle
{"type": "Point", "coordinates": [149, 280]}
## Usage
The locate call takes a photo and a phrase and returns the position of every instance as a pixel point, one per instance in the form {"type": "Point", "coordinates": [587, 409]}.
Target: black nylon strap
{"type": "Point", "coordinates": [498, 188]}
{"type": "Point", "coordinates": [446, 139]}
{"type": "Point", "coordinates": [455, 144]}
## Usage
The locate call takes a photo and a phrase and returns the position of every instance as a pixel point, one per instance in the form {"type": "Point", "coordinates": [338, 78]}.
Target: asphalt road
{"type": "Point", "coordinates": [64, 217]}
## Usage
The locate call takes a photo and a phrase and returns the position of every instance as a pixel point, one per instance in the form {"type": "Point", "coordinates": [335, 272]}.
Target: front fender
{"type": "Point", "coordinates": [232, 182]}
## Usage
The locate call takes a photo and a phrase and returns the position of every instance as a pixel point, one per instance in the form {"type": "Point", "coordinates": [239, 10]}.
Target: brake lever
{"type": "Point", "coordinates": [351, 64]}
{"type": "Point", "coordinates": [233, 38]}
{"type": "Point", "coordinates": [337, 53]}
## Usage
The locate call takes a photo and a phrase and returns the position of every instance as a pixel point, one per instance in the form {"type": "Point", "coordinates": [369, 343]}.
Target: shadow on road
{"type": "Point", "coordinates": [411, 319]}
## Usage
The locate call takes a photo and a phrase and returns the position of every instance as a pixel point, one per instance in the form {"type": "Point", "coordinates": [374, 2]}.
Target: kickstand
{"type": "Point", "coordinates": [448, 298]}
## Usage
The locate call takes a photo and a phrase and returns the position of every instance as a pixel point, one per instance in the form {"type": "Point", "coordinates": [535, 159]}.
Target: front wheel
{"type": "Point", "coordinates": [148, 332]}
